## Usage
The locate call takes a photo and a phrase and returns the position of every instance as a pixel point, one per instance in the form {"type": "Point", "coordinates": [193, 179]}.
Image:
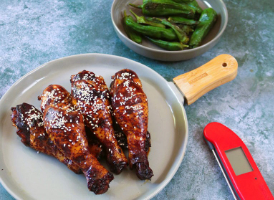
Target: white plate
{"type": "Point", "coordinates": [28, 175]}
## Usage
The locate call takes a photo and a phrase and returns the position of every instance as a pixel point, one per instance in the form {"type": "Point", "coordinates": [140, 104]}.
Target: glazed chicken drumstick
{"type": "Point", "coordinates": [130, 108]}
{"type": "Point", "coordinates": [30, 128]}
{"type": "Point", "coordinates": [57, 96]}
{"type": "Point", "coordinates": [91, 97]}
{"type": "Point", "coordinates": [122, 138]}
{"type": "Point", "coordinates": [67, 130]}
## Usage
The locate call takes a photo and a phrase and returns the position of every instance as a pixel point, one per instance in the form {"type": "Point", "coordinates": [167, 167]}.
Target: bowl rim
{"type": "Point", "coordinates": [173, 52]}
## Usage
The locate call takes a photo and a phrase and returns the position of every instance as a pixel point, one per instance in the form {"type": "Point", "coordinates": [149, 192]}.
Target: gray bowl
{"type": "Point", "coordinates": [150, 50]}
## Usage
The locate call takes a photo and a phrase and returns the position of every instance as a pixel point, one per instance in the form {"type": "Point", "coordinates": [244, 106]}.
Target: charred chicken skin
{"type": "Point", "coordinates": [90, 95]}
{"type": "Point", "coordinates": [130, 108]}
{"type": "Point", "coordinates": [122, 138]}
{"type": "Point", "coordinates": [30, 128]}
{"type": "Point", "coordinates": [94, 145]}
{"type": "Point", "coordinates": [66, 129]}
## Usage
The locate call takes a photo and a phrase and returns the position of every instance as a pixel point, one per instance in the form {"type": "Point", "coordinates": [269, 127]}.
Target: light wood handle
{"type": "Point", "coordinates": [216, 72]}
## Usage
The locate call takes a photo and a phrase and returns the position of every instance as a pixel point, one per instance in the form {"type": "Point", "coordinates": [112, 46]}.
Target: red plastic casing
{"type": "Point", "coordinates": [248, 186]}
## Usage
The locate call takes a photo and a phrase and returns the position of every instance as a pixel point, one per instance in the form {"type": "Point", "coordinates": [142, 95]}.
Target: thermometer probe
{"type": "Point", "coordinates": [240, 170]}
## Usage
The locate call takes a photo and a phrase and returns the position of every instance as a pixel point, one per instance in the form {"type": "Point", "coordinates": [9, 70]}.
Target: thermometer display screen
{"type": "Point", "coordinates": [238, 161]}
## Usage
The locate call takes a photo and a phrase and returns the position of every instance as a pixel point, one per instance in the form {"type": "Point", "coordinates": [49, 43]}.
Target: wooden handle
{"type": "Point", "coordinates": [216, 72]}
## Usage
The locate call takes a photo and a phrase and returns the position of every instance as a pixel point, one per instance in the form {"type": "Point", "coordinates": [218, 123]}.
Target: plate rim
{"type": "Point", "coordinates": [181, 151]}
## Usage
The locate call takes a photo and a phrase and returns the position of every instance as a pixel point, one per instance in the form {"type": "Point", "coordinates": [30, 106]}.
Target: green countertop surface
{"type": "Point", "coordinates": [33, 32]}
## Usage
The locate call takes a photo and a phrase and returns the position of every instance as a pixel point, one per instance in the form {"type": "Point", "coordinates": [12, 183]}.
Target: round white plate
{"type": "Point", "coordinates": [29, 175]}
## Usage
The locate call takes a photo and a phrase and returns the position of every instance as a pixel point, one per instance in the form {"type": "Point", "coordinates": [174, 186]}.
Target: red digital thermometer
{"type": "Point", "coordinates": [240, 170]}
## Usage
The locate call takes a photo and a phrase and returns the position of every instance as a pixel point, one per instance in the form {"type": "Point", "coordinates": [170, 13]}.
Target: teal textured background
{"type": "Point", "coordinates": [33, 32]}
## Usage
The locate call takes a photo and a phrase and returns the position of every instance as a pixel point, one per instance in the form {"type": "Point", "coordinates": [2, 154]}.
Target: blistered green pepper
{"type": "Point", "coordinates": [133, 35]}
{"type": "Point", "coordinates": [182, 1]}
{"type": "Point", "coordinates": [151, 31]}
{"type": "Point", "coordinates": [196, 7]}
{"type": "Point", "coordinates": [182, 36]}
{"type": "Point", "coordinates": [171, 46]}
{"type": "Point", "coordinates": [182, 20]}
{"type": "Point", "coordinates": [148, 20]}
{"type": "Point", "coordinates": [164, 8]}
{"type": "Point", "coordinates": [207, 20]}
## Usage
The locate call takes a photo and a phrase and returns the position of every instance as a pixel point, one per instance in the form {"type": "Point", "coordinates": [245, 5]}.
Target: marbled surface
{"type": "Point", "coordinates": [33, 32]}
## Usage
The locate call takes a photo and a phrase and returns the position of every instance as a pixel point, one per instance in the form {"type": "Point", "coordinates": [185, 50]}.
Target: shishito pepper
{"type": "Point", "coordinates": [182, 20]}
{"type": "Point", "coordinates": [148, 20]}
{"type": "Point", "coordinates": [171, 46]}
{"type": "Point", "coordinates": [151, 31]}
{"type": "Point", "coordinates": [207, 20]}
{"type": "Point", "coordinates": [133, 35]}
{"type": "Point", "coordinates": [182, 1]}
{"type": "Point", "coordinates": [195, 6]}
{"type": "Point", "coordinates": [182, 36]}
{"type": "Point", "coordinates": [164, 8]}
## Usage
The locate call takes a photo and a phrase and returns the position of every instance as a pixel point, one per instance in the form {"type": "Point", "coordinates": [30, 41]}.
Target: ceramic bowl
{"type": "Point", "coordinates": [150, 50]}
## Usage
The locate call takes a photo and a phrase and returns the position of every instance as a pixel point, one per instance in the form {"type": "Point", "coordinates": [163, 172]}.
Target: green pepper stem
{"type": "Point", "coordinates": [136, 6]}
{"type": "Point", "coordinates": [148, 21]}
{"type": "Point", "coordinates": [184, 45]}
{"type": "Point", "coordinates": [134, 14]}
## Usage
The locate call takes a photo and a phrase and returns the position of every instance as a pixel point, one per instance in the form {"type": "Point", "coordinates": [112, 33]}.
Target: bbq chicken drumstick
{"type": "Point", "coordinates": [130, 108]}
{"type": "Point", "coordinates": [67, 130]}
{"type": "Point", "coordinates": [90, 96]}
{"type": "Point", "coordinates": [57, 96]}
{"type": "Point", "coordinates": [30, 128]}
